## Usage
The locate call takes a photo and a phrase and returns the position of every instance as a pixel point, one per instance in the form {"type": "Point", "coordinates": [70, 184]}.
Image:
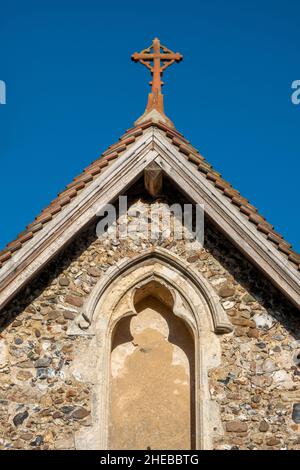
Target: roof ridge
{"type": "Point", "coordinates": [250, 211]}
{"type": "Point", "coordinates": [114, 151]}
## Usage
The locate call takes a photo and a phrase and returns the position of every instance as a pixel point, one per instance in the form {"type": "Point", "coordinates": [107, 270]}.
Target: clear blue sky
{"type": "Point", "coordinates": [72, 91]}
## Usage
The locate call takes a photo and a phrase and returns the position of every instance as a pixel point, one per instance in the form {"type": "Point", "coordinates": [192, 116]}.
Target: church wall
{"type": "Point", "coordinates": [44, 400]}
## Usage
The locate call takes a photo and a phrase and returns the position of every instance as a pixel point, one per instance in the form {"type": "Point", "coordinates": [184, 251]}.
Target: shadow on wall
{"type": "Point", "coordinates": [152, 375]}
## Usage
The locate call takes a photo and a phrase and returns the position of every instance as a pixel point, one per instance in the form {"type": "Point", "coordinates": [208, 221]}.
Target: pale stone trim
{"type": "Point", "coordinates": [220, 321]}
{"type": "Point", "coordinates": [112, 299]}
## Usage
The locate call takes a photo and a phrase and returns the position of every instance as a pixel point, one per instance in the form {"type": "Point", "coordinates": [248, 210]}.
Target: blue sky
{"type": "Point", "coordinates": [72, 91]}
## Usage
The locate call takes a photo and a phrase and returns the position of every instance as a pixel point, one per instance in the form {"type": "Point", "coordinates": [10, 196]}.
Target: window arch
{"type": "Point", "coordinates": [115, 298]}
{"type": "Point", "coordinates": [152, 379]}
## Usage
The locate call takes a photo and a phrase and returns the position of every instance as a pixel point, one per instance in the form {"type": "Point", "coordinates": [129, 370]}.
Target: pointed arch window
{"type": "Point", "coordinates": [154, 304]}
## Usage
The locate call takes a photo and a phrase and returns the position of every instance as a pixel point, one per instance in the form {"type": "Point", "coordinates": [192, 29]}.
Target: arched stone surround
{"type": "Point", "coordinates": [194, 301]}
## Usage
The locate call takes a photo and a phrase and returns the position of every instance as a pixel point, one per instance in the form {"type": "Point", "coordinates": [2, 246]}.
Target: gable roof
{"type": "Point", "coordinates": [113, 152]}
{"type": "Point", "coordinates": [117, 168]}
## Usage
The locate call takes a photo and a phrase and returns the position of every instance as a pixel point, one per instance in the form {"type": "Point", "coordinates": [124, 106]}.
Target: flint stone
{"type": "Point", "coordinates": [217, 282]}
{"type": "Point", "coordinates": [273, 441]}
{"type": "Point", "coordinates": [242, 322]}
{"type": "Point", "coordinates": [53, 315]}
{"type": "Point", "coordinates": [43, 362]}
{"type": "Point", "coordinates": [24, 375]}
{"type": "Point", "coordinates": [37, 442]}
{"type": "Point", "coordinates": [261, 381]}
{"type": "Point", "coordinates": [64, 281]}
{"type": "Point", "coordinates": [226, 291]}
{"type": "Point", "coordinates": [67, 409]}
{"type": "Point", "coordinates": [263, 427]}
{"type": "Point", "coordinates": [20, 417]}
{"type": "Point", "coordinates": [80, 413]}
{"type": "Point", "coordinates": [278, 337]}
{"type": "Point", "coordinates": [228, 305]}
{"type": "Point", "coordinates": [25, 365]}
{"type": "Point", "coordinates": [18, 341]}
{"type": "Point", "coordinates": [43, 373]}
{"type": "Point", "coordinates": [261, 345]}
{"type": "Point", "coordinates": [94, 272]}
{"type": "Point", "coordinates": [69, 315]}
{"type": "Point", "coordinates": [236, 426]}
{"type": "Point", "coordinates": [269, 366]}
{"type": "Point", "coordinates": [283, 378]}
{"type": "Point", "coordinates": [26, 436]}
{"type": "Point", "coordinates": [193, 258]}
{"type": "Point", "coordinates": [248, 298]}
{"type": "Point", "coordinates": [296, 413]}
{"type": "Point", "coordinates": [74, 300]}
{"type": "Point", "coordinates": [253, 333]}
{"type": "Point", "coordinates": [296, 358]}
{"type": "Point", "coordinates": [263, 321]}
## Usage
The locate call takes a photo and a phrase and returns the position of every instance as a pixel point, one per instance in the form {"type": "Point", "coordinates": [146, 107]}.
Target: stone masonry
{"type": "Point", "coordinates": [43, 400]}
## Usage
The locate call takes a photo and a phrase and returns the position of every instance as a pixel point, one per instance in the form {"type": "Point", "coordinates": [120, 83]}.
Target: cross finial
{"type": "Point", "coordinates": [156, 58]}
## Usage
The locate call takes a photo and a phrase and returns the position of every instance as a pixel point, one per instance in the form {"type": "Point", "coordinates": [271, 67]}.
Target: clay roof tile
{"type": "Point", "coordinates": [192, 155]}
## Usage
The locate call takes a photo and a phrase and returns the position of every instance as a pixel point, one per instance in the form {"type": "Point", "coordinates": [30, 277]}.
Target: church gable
{"type": "Point", "coordinates": [119, 167]}
{"type": "Point", "coordinates": [49, 390]}
{"type": "Point", "coordinates": [151, 340]}
{"type": "Point", "coordinates": [188, 152]}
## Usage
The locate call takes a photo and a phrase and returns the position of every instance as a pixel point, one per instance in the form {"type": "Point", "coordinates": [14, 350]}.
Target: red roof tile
{"type": "Point", "coordinates": [189, 152]}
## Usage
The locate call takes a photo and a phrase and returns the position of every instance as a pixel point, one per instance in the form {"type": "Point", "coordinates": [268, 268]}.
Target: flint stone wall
{"type": "Point", "coordinates": [44, 400]}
